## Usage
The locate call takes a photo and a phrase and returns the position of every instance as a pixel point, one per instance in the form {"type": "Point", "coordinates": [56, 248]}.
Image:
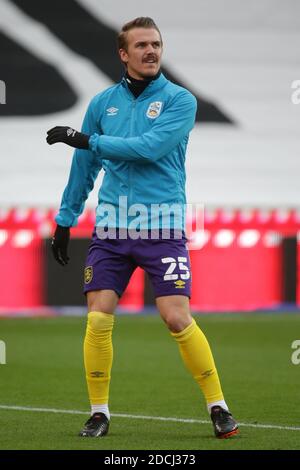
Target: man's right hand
{"type": "Point", "coordinates": [60, 243]}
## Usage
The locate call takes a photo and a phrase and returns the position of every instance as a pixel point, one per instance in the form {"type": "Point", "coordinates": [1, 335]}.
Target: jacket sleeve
{"type": "Point", "coordinates": [84, 170]}
{"type": "Point", "coordinates": [175, 122]}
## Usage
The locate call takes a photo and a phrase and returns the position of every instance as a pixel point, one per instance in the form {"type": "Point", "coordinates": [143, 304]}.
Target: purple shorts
{"type": "Point", "coordinates": [111, 262]}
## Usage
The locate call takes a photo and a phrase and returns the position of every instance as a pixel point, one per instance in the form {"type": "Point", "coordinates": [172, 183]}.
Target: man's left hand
{"type": "Point", "coordinates": [68, 136]}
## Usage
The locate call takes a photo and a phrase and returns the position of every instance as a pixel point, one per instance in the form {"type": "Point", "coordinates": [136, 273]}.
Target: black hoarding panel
{"type": "Point", "coordinates": [64, 284]}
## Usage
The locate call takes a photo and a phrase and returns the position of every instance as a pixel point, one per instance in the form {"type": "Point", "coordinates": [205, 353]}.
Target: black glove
{"type": "Point", "coordinates": [60, 243]}
{"type": "Point", "coordinates": [68, 136]}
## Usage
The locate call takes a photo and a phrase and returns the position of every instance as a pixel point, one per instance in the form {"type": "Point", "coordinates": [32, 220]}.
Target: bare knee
{"type": "Point", "coordinates": [175, 312]}
{"type": "Point", "coordinates": [177, 320]}
{"type": "Point", "coordinates": [102, 301]}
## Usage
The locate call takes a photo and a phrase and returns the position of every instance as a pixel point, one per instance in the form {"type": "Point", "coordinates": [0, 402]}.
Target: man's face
{"type": "Point", "coordinates": [143, 54]}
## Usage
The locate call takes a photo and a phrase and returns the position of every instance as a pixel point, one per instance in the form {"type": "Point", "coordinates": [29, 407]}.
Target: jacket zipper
{"type": "Point", "coordinates": [130, 165]}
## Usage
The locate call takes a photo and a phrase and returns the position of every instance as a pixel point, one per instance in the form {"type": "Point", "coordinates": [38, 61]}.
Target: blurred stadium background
{"type": "Point", "coordinates": [243, 159]}
{"type": "Point", "coordinates": [240, 60]}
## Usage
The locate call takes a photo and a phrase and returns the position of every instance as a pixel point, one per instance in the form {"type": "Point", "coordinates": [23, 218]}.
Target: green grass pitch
{"type": "Point", "coordinates": [44, 370]}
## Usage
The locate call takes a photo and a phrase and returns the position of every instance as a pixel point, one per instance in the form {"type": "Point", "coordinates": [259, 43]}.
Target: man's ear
{"type": "Point", "coordinates": [123, 56]}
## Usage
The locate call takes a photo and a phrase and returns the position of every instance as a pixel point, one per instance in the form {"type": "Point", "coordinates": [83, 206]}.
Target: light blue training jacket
{"type": "Point", "coordinates": [141, 144]}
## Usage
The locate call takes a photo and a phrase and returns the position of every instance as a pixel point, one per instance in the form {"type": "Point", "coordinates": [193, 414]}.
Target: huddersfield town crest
{"type": "Point", "coordinates": [88, 274]}
{"type": "Point", "coordinates": [154, 109]}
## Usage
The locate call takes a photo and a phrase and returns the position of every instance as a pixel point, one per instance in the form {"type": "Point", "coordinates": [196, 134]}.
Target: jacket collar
{"type": "Point", "coordinates": [152, 88]}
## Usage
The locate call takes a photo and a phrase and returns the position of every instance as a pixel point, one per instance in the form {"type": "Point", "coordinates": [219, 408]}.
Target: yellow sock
{"type": "Point", "coordinates": [197, 356]}
{"type": "Point", "coordinates": [98, 356]}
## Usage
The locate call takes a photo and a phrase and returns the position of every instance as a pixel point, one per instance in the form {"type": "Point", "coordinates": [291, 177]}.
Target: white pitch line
{"type": "Point", "coordinates": [154, 418]}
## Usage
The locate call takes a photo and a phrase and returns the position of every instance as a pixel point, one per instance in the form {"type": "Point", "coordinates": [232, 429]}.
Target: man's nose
{"type": "Point", "coordinates": [149, 49]}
